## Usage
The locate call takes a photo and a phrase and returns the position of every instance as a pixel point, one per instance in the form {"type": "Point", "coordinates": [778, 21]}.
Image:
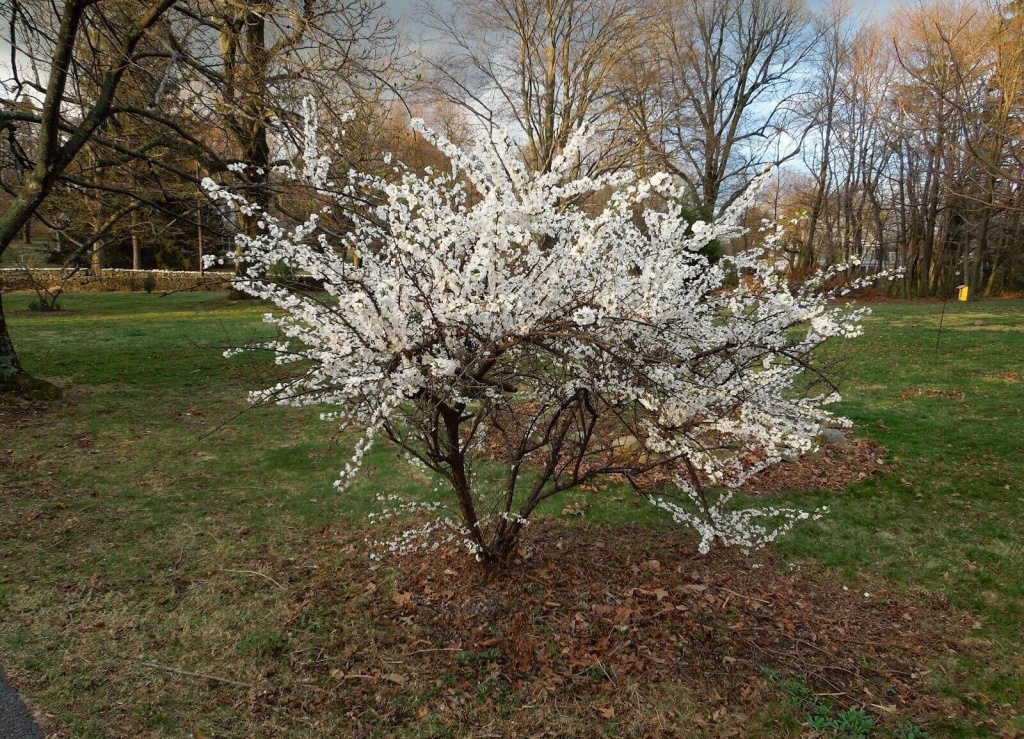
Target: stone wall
{"type": "Point", "coordinates": [115, 280]}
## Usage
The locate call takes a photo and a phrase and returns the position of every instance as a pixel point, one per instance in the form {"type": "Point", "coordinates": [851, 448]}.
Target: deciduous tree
{"type": "Point", "coordinates": [66, 124]}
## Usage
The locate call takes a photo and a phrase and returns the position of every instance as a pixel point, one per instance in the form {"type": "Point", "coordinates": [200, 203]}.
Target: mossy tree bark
{"type": "Point", "coordinates": [14, 379]}
{"type": "Point", "coordinates": [10, 367]}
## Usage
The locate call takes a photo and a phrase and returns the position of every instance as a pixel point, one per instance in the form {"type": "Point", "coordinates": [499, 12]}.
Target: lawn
{"type": "Point", "coordinates": [170, 568]}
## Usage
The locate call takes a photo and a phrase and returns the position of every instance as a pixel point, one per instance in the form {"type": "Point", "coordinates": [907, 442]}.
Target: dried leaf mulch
{"type": "Point", "coordinates": [837, 468]}
{"type": "Point", "coordinates": [832, 470]}
{"type": "Point", "coordinates": [616, 630]}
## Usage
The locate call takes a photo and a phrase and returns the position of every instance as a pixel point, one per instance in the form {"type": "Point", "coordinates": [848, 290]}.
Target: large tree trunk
{"type": "Point", "coordinates": [13, 379]}
{"type": "Point", "coordinates": [10, 367]}
{"type": "Point", "coordinates": [12, 376]}
{"type": "Point", "coordinates": [96, 259]}
{"type": "Point", "coordinates": [243, 45]}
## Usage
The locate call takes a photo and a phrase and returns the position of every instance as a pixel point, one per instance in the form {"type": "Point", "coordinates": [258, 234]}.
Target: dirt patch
{"type": "Point", "coordinates": [1009, 376]}
{"type": "Point", "coordinates": [29, 313]}
{"type": "Point", "coordinates": [17, 412]}
{"type": "Point", "coordinates": [16, 465]}
{"type": "Point", "coordinates": [932, 392]}
{"type": "Point", "coordinates": [19, 472]}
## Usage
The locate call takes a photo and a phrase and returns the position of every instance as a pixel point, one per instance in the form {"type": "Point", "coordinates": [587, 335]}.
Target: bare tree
{"type": "Point", "coordinates": [836, 33]}
{"type": "Point", "coordinates": [541, 68]}
{"type": "Point", "coordinates": [732, 71]}
{"type": "Point", "coordinates": [65, 125]}
{"type": "Point", "coordinates": [922, 168]}
{"type": "Point", "coordinates": [246, 66]}
{"type": "Point", "coordinates": [139, 100]}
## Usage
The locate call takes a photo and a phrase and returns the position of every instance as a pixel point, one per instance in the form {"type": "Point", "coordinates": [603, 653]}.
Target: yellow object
{"type": "Point", "coordinates": [961, 293]}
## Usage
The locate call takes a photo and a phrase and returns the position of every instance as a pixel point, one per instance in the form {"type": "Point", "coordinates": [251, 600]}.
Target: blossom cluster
{"type": "Point", "coordinates": [747, 528]}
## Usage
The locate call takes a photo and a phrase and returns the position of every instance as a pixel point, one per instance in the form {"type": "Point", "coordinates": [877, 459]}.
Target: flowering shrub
{"type": "Point", "coordinates": [548, 317]}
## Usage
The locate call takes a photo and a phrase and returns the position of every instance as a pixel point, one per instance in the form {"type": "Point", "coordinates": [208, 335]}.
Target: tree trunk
{"type": "Point", "coordinates": [13, 379]}
{"type": "Point", "coordinates": [10, 367]}
{"type": "Point", "coordinates": [246, 59]}
{"type": "Point", "coordinates": [136, 252]}
{"type": "Point", "coordinates": [96, 259]}
{"type": "Point", "coordinates": [96, 256]}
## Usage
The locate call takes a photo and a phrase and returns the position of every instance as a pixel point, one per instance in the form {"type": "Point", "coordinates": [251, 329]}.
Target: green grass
{"type": "Point", "coordinates": [949, 516]}
{"type": "Point", "coordinates": [949, 519]}
{"type": "Point", "coordinates": [109, 499]}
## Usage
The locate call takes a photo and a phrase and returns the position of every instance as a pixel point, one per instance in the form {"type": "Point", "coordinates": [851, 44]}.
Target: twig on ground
{"type": "Point", "coordinates": [747, 597]}
{"type": "Point", "coordinates": [260, 574]}
{"type": "Point", "coordinates": [187, 673]}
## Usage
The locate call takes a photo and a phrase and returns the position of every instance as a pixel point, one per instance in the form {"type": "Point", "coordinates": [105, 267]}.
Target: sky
{"type": "Point", "coordinates": [5, 63]}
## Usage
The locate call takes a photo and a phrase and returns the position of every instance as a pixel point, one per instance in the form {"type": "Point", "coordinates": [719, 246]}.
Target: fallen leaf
{"type": "Point", "coordinates": [401, 599]}
{"type": "Point", "coordinates": [607, 712]}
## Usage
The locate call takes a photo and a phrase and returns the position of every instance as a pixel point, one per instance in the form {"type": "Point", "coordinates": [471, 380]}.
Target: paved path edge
{"type": "Point", "coordinates": [15, 720]}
